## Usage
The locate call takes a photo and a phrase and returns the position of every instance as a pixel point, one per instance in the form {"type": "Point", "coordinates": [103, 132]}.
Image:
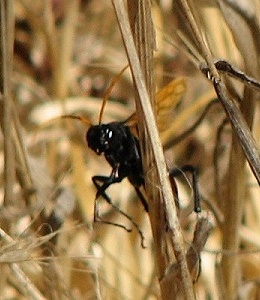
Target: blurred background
{"type": "Point", "coordinates": [65, 55]}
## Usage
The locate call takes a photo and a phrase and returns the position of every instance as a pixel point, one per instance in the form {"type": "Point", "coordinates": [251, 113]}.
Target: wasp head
{"type": "Point", "coordinates": [103, 138]}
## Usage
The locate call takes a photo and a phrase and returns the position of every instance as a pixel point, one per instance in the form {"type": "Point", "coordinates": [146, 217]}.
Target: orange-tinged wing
{"type": "Point", "coordinates": [166, 100]}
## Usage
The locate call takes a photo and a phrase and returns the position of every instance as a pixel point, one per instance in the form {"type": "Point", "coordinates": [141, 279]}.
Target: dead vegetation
{"type": "Point", "coordinates": [57, 58]}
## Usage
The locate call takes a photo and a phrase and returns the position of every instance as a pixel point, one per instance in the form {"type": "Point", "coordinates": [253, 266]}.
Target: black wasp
{"type": "Point", "coordinates": [121, 149]}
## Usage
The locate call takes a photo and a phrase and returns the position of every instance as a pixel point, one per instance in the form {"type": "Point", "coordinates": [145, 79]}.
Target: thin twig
{"type": "Point", "coordinates": [227, 68]}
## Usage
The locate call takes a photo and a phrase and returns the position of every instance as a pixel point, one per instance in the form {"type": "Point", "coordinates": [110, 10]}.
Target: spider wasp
{"type": "Point", "coordinates": [121, 148]}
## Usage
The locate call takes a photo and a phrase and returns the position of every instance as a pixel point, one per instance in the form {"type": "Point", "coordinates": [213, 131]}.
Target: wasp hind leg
{"type": "Point", "coordinates": [194, 173]}
{"type": "Point", "coordinates": [107, 181]}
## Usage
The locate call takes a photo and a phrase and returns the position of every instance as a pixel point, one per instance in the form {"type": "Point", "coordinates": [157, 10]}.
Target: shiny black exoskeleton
{"type": "Point", "coordinates": [122, 151]}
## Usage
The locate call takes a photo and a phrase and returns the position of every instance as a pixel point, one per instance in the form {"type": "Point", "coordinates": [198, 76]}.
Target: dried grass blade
{"type": "Point", "coordinates": [25, 283]}
{"type": "Point", "coordinates": [176, 238]}
{"type": "Point", "coordinates": [6, 35]}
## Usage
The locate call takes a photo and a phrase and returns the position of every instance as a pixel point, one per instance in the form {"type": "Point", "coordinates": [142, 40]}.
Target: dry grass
{"type": "Point", "coordinates": [65, 54]}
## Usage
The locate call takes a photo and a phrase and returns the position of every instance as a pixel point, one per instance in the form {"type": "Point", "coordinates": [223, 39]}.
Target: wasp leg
{"type": "Point", "coordinates": [194, 173]}
{"type": "Point", "coordinates": [107, 181]}
{"type": "Point", "coordinates": [101, 192]}
{"type": "Point", "coordinates": [98, 219]}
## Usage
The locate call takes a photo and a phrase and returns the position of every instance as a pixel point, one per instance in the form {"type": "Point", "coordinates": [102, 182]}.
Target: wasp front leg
{"type": "Point", "coordinates": [107, 181]}
{"type": "Point", "coordinates": [101, 192]}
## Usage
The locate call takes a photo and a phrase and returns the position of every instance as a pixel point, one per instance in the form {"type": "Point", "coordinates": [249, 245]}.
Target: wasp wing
{"type": "Point", "coordinates": [166, 100]}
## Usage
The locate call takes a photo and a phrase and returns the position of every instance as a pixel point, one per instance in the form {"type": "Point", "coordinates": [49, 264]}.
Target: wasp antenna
{"type": "Point", "coordinates": [108, 92]}
{"type": "Point", "coordinates": [47, 123]}
{"type": "Point", "coordinates": [80, 118]}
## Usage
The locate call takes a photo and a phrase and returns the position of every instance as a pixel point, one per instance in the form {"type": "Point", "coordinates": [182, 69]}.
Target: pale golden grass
{"type": "Point", "coordinates": [75, 48]}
